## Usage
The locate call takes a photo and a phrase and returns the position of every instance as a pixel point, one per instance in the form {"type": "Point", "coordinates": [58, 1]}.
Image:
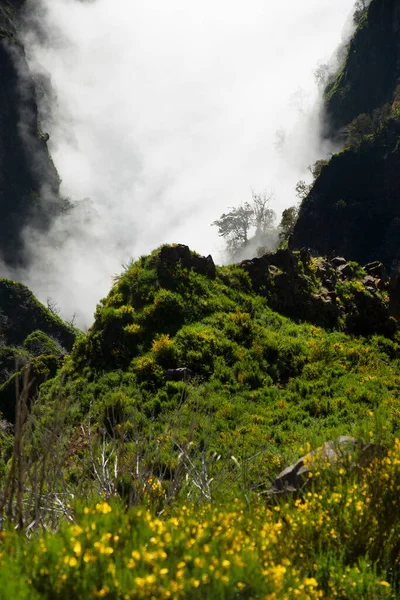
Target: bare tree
{"type": "Point", "coordinates": [263, 216]}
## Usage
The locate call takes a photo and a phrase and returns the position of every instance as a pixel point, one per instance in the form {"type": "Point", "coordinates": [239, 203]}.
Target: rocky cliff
{"type": "Point", "coordinates": [28, 180]}
{"type": "Point", "coordinates": [372, 68]}
{"type": "Point", "coordinates": [353, 207]}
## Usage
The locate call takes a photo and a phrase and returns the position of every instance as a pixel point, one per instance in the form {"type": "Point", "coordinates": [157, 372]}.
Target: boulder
{"type": "Point", "coordinates": [180, 374]}
{"type": "Point", "coordinates": [181, 254]}
{"type": "Point", "coordinates": [345, 271]}
{"type": "Point", "coordinates": [376, 269]}
{"type": "Point", "coordinates": [295, 477]}
{"type": "Point", "coordinates": [337, 261]}
{"type": "Point", "coordinates": [370, 281]}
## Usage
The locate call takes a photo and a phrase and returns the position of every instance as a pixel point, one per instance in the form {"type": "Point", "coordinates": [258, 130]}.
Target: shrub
{"type": "Point", "coordinates": [164, 350]}
{"type": "Point", "coordinates": [38, 343]}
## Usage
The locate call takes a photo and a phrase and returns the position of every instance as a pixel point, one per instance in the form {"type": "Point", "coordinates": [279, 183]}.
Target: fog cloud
{"type": "Point", "coordinates": [164, 114]}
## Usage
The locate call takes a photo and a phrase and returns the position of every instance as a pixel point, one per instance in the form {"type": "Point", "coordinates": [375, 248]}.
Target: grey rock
{"type": "Point", "coordinates": [294, 477]}
{"type": "Point", "coordinates": [345, 270]}
{"type": "Point", "coordinates": [337, 261]}
{"type": "Point", "coordinates": [376, 269]}
{"type": "Point", "coordinates": [180, 374]}
{"type": "Point", "coordinates": [370, 281]}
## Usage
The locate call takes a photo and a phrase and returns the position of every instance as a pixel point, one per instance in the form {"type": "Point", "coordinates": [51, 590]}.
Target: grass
{"type": "Point", "coordinates": [340, 539]}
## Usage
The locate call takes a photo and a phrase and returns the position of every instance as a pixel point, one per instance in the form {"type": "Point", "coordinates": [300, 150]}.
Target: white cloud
{"type": "Point", "coordinates": [166, 115]}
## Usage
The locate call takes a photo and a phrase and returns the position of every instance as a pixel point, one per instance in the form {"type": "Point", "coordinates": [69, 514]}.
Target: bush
{"type": "Point", "coordinates": [38, 343]}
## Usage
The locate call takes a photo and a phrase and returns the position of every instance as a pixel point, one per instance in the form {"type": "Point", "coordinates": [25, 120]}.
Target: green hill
{"type": "Point", "coordinates": [185, 399]}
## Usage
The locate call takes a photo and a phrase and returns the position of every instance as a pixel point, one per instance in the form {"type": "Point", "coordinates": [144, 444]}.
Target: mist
{"type": "Point", "coordinates": [161, 116]}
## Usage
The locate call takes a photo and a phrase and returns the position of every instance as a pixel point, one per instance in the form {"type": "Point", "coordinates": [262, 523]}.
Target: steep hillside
{"type": "Point", "coordinates": [372, 68]}
{"type": "Point", "coordinates": [189, 393]}
{"type": "Point", "coordinates": [353, 207]}
{"type": "Point", "coordinates": [32, 341]}
{"type": "Point", "coordinates": [186, 399]}
{"type": "Point", "coordinates": [28, 180]}
{"type": "Point", "coordinates": [178, 339]}
{"type": "Point", "coordinates": [219, 432]}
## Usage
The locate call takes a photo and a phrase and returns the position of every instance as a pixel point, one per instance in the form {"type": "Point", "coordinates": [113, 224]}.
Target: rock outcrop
{"type": "Point", "coordinates": [330, 293]}
{"type": "Point", "coordinates": [170, 256]}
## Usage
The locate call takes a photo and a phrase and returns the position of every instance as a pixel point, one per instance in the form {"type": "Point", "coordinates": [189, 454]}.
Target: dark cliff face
{"type": "Point", "coordinates": [372, 68]}
{"type": "Point", "coordinates": [353, 208]}
{"type": "Point", "coordinates": [28, 180]}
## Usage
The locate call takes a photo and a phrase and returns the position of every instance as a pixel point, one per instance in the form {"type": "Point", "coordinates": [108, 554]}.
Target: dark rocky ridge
{"type": "Point", "coordinates": [330, 293]}
{"type": "Point", "coordinates": [29, 182]}
{"type": "Point", "coordinates": [353, 208]}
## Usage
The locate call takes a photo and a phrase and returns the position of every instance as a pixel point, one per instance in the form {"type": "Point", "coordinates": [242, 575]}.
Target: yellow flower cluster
{"type": "Point", "coordinates": [274, 552]}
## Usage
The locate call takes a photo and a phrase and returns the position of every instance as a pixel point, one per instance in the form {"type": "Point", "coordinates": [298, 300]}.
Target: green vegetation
{"type": "Point", "coordinates": [327, 544]}
{"type": "Point", "coordinates": [174, 414]}
{"type": "Point", "coordinates": [33, 341]}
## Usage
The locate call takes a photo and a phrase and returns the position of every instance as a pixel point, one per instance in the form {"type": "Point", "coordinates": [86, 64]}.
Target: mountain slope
{"type": "Point", "coordinates": [353, 207]}
{"type": "Point", "coordinates": [371, 71]}
{"type": "Point", "coordinates": [182, 351]}
{"type": "Point", "coordinates": [32, 341]}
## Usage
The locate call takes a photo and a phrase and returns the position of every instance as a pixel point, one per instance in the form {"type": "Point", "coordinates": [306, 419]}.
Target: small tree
{"type": "Point", "coordinates": [236, 226]}
{"type": "Point", "coordinates": [302, 189]}
{"type": "Point", "coordinates": [321, 74]}
{"type": "Point", "coordinates": [316, 168]}
{"type": "Point", "coordinates": [286, 226]}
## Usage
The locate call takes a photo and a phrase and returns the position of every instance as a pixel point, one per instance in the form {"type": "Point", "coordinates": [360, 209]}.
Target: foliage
{"type": "Point", "coordinates": [315, 546]}
{"type": "Point", "coordinates": [21, 314]}
{"type": "Point", "coordinates": [37, 343]}
{"type": "Point", "coordinates": [360, 10]}
{"type": "Point", "coordinates": [258, 379]}
{"type": "Point", "coordinates": [302, 189]}
{"type": "Point", "coordinates": [175, 473]}
{"type": "Point", "coordinates": [235, 225]}
{"type": "Point", "coordinates": [288, 221]}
